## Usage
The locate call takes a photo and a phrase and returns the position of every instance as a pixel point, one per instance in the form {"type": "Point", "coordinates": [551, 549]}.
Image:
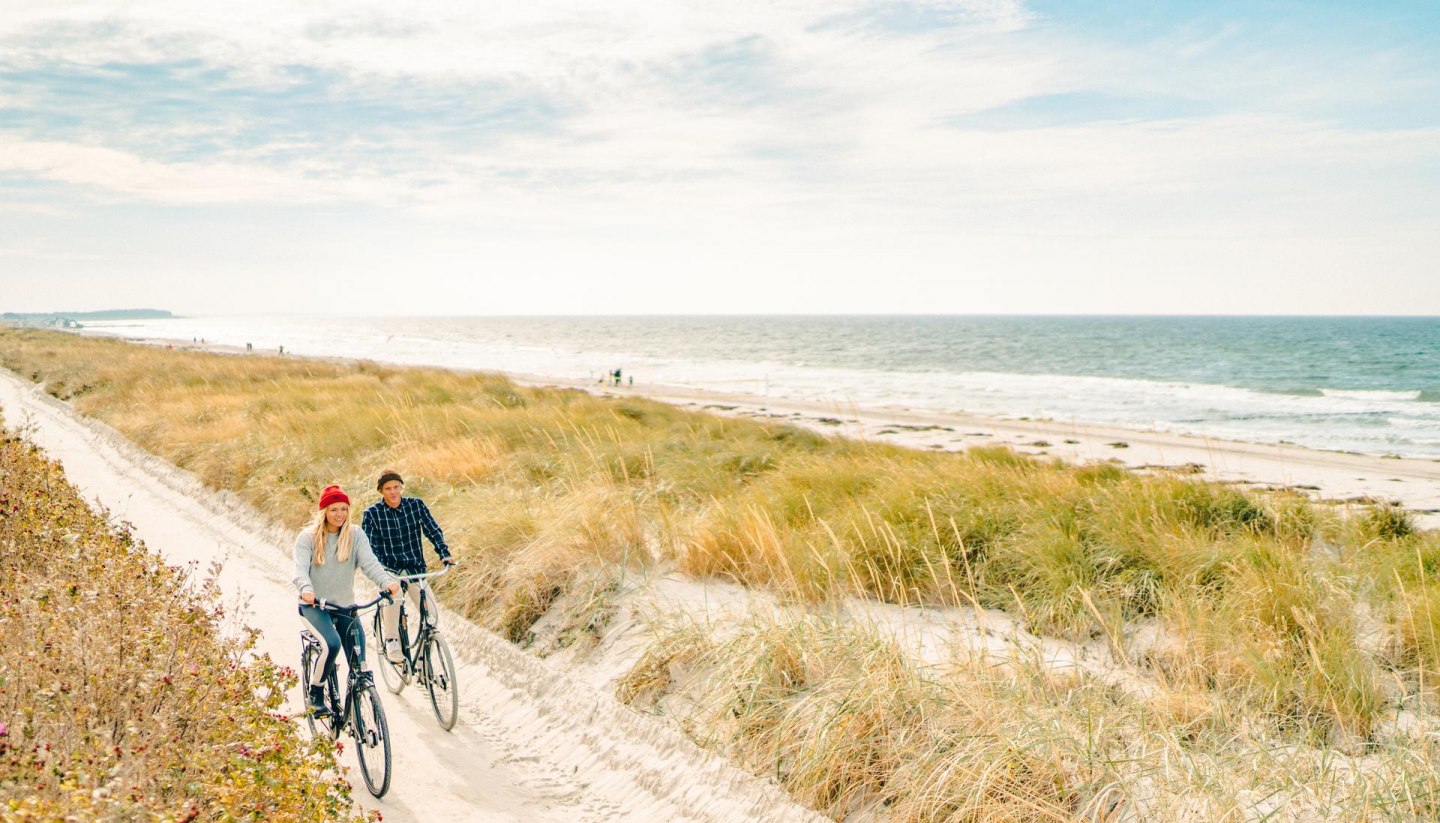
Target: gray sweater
{"type": "Point", "coordinates": [335, 581]}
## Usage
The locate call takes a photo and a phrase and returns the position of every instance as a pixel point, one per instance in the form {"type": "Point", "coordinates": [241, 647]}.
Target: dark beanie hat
{"type": "Point", "coordinates": [386, 476]}
{"type": "Point", "coordinates": [332, 495]}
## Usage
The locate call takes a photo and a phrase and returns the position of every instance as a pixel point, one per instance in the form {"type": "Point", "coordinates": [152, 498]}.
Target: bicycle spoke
{"type": "Point", "coordinates": [439, 670]}
{"type": "Point", "coordinates": [372, 739]}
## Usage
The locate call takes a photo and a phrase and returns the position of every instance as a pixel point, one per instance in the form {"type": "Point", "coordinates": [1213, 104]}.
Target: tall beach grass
{"type": "Point", "coordinates": [1259, 622]}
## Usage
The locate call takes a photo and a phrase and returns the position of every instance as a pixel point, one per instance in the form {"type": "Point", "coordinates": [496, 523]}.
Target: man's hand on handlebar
{"type": "Point", "coordinates": [393, 589]}
{"type": "Point", "coordinates": [451, 562]}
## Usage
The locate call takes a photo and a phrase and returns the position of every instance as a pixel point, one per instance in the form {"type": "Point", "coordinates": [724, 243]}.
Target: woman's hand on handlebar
{"type": "Point", "coordinates": [307, 597]}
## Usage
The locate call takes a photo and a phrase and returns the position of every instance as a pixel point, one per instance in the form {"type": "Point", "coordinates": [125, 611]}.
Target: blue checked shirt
{"type": "Point", "coordinates": [395, 534]}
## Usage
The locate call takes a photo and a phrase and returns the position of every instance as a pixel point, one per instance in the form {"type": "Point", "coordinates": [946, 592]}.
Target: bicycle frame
{"type": "Point", "coordinates": [425, 657]}
{"type": "Point", "coordinates": [412, 648]}
{"type": "Point", "coordinates": [355, 671]}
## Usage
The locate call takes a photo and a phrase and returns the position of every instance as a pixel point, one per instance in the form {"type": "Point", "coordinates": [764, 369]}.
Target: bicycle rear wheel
{"type": "Point", "coordinates": [393, 674]}
{"type": "Point", "coordinates": [372, 739]}
{"type": "Point", "coordinates": [440, 681]}
{"type": "Point", "coordinates": [319, 724]}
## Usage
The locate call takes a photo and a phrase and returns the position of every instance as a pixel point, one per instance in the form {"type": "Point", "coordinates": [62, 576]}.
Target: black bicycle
{"type": "Point", "coordinates": [360, 714]}
{"type": "Point", "coordinates": [426, 658]}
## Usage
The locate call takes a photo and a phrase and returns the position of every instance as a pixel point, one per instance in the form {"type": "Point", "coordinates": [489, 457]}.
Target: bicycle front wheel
{"type": "Point", "coordinates": [392, 673]}
{"type": "Point", "coordinates": [440, 680]}
{"type": "Point", "coordinates": [372, 739]}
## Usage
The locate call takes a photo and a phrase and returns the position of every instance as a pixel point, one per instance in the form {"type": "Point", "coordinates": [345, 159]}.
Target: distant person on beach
{"type": "Point", "coordinates": [617, 377]}
{"type": "Point", "coordinates": [327, 553]}
{"type": "Point", "coordinates": [395, 526]}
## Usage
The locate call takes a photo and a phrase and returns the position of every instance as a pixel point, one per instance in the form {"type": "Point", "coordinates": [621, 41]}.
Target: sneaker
{"type": "Point", "coordinates": [392, 651]}
{"type": "Point", "coordinates": [317, 700]}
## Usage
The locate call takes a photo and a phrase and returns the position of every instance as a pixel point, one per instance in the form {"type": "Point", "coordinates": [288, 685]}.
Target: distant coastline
{"type": "Point", "coordinates": [76, 319]}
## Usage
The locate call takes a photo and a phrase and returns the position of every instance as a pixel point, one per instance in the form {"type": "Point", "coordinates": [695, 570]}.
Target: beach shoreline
{"type": "Point", "coordinates": [1324, 476]}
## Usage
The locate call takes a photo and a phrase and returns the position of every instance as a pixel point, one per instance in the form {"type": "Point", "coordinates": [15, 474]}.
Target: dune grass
{"type": "Point", "coordinates": [841, 716]}
{"type": "Point", "coordinates": [1284, 624]}
{"type": "Point", "coordinates": [120, 699]}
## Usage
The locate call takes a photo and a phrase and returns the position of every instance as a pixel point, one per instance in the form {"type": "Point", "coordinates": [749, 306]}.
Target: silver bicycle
{"type": "Point", "coordinates": [425, 657]}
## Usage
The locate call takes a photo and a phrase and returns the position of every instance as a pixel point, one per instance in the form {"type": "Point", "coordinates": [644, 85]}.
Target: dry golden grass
{"type": "Point", "coordinates": [1289, 627]}
{"type": "Point", "coordinates": [849, 723]}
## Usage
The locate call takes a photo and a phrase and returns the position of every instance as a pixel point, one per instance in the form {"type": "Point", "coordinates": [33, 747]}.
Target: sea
{"type": "Point", "coordinates": [1369, 385]}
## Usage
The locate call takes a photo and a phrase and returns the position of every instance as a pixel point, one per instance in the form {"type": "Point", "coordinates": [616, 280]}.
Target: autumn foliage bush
{"type": "Point", "coordinates": [120, 696]}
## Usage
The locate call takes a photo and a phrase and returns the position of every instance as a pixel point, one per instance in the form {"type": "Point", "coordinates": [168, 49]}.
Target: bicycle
{"type": "Point", "coordinates": [427, 659]}
{"type": "Point", "coordinates": [361, 715]}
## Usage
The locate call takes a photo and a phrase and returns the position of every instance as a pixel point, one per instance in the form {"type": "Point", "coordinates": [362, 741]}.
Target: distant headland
{"type": "Point", "coordinates": [76, 319]}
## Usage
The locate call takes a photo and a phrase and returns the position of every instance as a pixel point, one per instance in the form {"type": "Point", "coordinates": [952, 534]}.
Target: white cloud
{"type": "Point", "coordinates": [777, 139]}
{"type": "Point", "coordinates": [110, 173]}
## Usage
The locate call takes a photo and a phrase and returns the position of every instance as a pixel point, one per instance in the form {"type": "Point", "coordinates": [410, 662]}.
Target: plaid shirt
{"type": "Point", "coordinates": [395, 534]}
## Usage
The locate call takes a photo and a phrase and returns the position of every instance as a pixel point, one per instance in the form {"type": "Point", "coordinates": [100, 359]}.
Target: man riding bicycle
{"type": "Point", "coordinates": [394, 526]}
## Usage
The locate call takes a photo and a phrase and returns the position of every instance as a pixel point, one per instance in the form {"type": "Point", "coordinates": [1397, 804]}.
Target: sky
{"type": "Point", "coordinates": [796, 156]}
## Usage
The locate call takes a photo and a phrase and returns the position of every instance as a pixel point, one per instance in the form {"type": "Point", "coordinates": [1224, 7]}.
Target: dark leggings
{"type": "Point", "coordinates": [330, 627]}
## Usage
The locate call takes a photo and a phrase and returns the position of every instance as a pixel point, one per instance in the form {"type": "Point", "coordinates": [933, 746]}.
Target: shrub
{"type": "Point", "coordinates": [119, 696]}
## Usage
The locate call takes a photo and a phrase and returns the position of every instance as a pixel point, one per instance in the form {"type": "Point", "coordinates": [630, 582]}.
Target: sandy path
{"type": "Point", "coordinates": [532, 744]}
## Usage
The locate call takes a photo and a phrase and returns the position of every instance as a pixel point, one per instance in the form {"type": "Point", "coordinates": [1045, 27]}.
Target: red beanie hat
{"type": "Point", "coordinates": [332, 494]}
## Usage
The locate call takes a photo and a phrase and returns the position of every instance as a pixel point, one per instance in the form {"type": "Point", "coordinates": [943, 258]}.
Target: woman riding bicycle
{"type": "Point", "coordinates": [327, 553]}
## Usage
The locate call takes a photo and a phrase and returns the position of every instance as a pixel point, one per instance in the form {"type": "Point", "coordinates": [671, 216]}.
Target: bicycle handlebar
{"type": "Point", "coordinates": [322, 603]}
{"type": "Point", "coordinates": [410, 578]}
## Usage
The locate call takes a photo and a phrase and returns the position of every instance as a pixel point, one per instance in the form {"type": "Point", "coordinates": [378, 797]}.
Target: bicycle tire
{"type": "Point", "coordinates": [440, 681]}
{"type": "Point", "coordinates": [393, 674]}
{"type": "Point", "coordinates": [372, 739]}
{"type": "Point", "coordinates": [324, 724]}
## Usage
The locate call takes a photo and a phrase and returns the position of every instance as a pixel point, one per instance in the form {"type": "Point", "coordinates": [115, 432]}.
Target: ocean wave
{"type": "Point", "coordinates": [1369, 394]}
{"type": "Point", "coordinates": [1421, 423]}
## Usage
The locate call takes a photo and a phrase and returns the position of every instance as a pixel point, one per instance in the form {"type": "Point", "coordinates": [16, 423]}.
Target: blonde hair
{"type": "Point", "coordinates": [342, 542]}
